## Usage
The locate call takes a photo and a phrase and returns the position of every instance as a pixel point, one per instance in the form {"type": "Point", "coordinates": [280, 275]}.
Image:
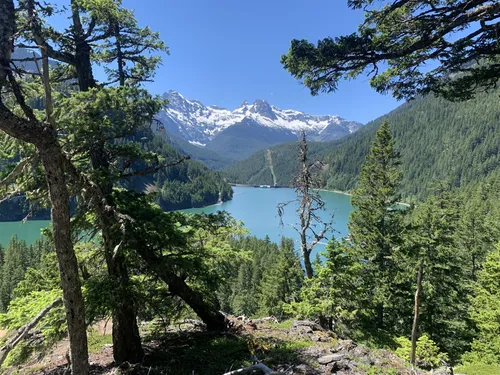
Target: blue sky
{"type": "Point", "coordinates": [226, 51]}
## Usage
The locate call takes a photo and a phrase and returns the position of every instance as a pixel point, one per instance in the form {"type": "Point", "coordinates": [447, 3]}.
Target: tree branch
{"type": "Point", "coordinates": [154, 169]}
{"type": "Point", "coordinates": [23, 331]}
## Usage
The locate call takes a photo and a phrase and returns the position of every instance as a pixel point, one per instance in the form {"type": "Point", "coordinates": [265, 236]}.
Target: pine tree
{"type": "Point", "coordinates": [334, 294]}
{"type": "Point", "coordinates": [486, 312]}
{"type": "Point", "coordinates": [375, 224]}
{"type": "Point", "coordinates": [15, 265]}
{"type": "Point", "coordinates": [441, 287]}
{"type": "Point", "coordinates": [281, 280]}
{"type": "Point", "coordinates": [396, 41]}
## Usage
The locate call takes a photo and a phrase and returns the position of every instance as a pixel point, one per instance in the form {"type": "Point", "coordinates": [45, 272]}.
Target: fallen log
{"type": "Point", "coordinates": [250, 369]}
{"type": "Point", "coordinates": [23, 331]}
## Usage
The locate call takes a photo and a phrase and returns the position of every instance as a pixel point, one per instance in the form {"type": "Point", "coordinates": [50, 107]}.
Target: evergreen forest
{"type": "Point", "coordinates": [122, 281]}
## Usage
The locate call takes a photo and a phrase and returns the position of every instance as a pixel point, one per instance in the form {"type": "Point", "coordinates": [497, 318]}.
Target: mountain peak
{"type": "Point", "coordinates": [263, 108]}
{"type": "Point", "coordinates": [196, 122]}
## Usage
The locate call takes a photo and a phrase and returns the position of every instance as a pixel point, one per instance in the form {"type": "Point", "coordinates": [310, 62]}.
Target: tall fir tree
{"type": "Point", "coordinates": [486, 312]}
{"type": "Point", "coordinates": [375, 224]}
{"type": "Point", "coordinates": [281, 280]}
{"type": "Point", "coordinates": [438, 266]}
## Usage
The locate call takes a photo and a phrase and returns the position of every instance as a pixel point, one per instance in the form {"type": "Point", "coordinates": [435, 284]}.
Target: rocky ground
{"type": "Point", "coordinates": [299, 347]}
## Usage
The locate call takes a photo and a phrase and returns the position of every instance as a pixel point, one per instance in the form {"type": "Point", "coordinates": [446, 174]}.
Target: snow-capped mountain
{"type": "Point", "coordinates": [200, 124]}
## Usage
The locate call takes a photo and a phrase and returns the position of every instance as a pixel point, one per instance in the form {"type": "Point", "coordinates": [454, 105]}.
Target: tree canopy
{"type": "Point", "coordinates": [408, 47]}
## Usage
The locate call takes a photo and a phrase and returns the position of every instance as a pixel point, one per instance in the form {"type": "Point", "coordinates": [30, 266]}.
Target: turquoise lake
{"type": "Point", "coordinates": [256, 207]}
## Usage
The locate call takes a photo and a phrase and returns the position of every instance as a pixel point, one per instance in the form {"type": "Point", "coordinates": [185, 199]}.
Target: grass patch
{"type": "Point", "coordinates": [478, 369]}
{"type": "Point", "coordinates": [97, 341]}
{"type": "Point", "coordinates": [285, 325]}
{"type": "Point", "coordinates": [283, 352]}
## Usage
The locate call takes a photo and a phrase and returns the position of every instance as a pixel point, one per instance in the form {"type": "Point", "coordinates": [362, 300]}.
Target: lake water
{"type": "Point", "coordinates": [256, 207]}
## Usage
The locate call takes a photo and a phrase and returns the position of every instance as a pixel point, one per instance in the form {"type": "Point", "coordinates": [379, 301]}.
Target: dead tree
{"type": "Point", "coordinates": [312, 229]}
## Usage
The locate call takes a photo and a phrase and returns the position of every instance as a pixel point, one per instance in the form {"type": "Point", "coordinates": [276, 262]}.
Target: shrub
{"type": "Point", "coordinates": [427, 353]}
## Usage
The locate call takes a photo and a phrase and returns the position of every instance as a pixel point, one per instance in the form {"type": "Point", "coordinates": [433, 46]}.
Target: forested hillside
{"type": "Point", "coordinates": [256, 170]}
{"type": "Point", "coordinates": [210, 158]}
{"type": "Point", "coordinates": [438, 140]}
{"type": "Point", "coordinates": [184, 185]}
{"type": "Point", "coordinates": [411, 290]}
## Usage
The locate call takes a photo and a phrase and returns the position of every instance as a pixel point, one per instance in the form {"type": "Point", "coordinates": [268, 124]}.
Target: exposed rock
{"type": "Point", "coordinates": [330, 358]}
{"type": "Point", "coordinates": [343, 345]}
{"type": "Point", "coordinates": [269, 319]}
{"type": "Point", "coordinates": [304, 369]}
{"type": "Point", "coordinates": [306, 325]}
{"type": "Point", "coordinates": [306, 329]}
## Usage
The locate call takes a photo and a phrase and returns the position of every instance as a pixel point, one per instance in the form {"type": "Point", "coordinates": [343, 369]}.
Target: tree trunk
{"type": "Point", "coordinates": [45, 139]}
{"type": "Point", "coordinates": [207, 311]}
{"type": "Point", "coordinates": [306, 255]}
{"type": "Point", "coordinates": [126, 338]}
{"type": "Point", "coordinates": [68, 265]}
{"type": "Point", "coordinates": [127, 345]}
{"type": "Point", "coordinates": [414, 331]}
{"type": "Point", "coordinates": [380, 316]}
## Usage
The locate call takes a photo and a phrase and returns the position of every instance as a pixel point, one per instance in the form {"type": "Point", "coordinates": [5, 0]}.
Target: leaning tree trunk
{"type": "Point", "coordinates": [23, 332]}
{"type": "Point", "coordinates": [208, 311]}
{"type": "Point", "coordinates": [414, 331]}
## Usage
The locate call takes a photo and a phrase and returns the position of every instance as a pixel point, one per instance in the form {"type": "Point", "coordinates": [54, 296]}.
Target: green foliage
{"type": "Point", "coordinates": [256, 169]}
{"type": "Point", "coordinates": [427, 355]}
{"type": "Point", "coordinates": [97, 341]}
{"type": "Point", "coordinates": [334, 291]}
{"type": "Point", "coordinates": [438, 141]}
{"type": "Point", "coordinates": [281, 280]}
{"type": "Point", "coordinates": [478, 369]}
{"type": "Point", "coordinates": [486, 313]}
{"type": "Point", "coordinates": [16, 259]}
{"type": "Point", "coordinates": [395, 43]}
{"type": "Point", "coordinates": [432, 239]}
{"type": "Point", "coordinates": [260, 284]}
{"type": "Point", "coordinates": [375, 224]}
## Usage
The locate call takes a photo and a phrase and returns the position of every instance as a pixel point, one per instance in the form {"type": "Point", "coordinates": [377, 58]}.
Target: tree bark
{"type": "Point", "coordinates": [68, 265]}
{"type": "Point", "coordinates": [414, 331]}
{"type": "Point", "coordinates": [207, 311]}
{"type": "Point", "coordinates": [127, 345]}
{"type": "Point", "coordinates": [126, 338]}
{"type": "Point", "coordinates": [307, 262]}
{"type": "Point", "coordinates": [44, 137]}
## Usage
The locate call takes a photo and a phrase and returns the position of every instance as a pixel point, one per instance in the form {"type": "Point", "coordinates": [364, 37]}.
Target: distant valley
{"type": "Point", "coordinates": [439, 141]}
{"type": "Point", "coordinates": [238, 134]}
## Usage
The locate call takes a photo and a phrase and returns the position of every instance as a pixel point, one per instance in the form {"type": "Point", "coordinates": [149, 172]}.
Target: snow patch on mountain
{"type": "Point", "coordinates": [199, 124]}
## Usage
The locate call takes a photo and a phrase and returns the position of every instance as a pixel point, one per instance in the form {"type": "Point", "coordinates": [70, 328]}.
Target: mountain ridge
{"type": "Point", "coordinates": [201, 125]}
{"type": "Point", "coordinates": [438, 141]}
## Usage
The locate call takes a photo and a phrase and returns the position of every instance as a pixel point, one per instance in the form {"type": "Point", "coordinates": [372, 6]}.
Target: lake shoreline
{"type": "Point", "coordinates": [289, 187]}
